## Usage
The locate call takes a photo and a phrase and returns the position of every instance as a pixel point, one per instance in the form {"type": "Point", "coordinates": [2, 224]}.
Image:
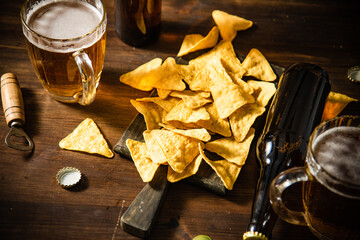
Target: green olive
{"type": "Point", "coordinates": [202, 237]}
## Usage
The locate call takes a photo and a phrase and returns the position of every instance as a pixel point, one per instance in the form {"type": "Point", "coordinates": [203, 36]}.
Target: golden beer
{"type": "Point", "coordinates": [331, 182]}
{"type": "Point", "coordinates": [56, 33]}
{"type": "Point", "coordinates": [331, 212]}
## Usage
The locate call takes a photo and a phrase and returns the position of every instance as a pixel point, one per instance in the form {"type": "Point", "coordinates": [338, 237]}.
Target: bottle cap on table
{"type": "Point", "coordinates": [353, 74]}
{"type": "Point", "coordinates": [68, 177]}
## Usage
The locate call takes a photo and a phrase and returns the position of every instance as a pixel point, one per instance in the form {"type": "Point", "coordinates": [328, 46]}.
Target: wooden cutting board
{"type": "Point", "coordinates": [139, 218]}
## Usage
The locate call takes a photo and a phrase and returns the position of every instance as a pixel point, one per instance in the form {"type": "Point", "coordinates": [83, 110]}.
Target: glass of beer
{"type": "Point", "coordinates": [331, 182]}
{"type": "Point", "coordinates": [66, 44]}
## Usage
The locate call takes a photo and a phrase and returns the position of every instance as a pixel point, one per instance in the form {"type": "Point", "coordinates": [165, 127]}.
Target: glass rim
{"type": "Point", "coordinates": [23, 22]}
{"type": "Point", "coordinates": [313, 159]}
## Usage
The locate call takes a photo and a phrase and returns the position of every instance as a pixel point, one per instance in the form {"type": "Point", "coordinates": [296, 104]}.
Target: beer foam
{"type": "Point", "coordinates": [63, 20]}
{"type": "Point", "coordinates": [337, 150]}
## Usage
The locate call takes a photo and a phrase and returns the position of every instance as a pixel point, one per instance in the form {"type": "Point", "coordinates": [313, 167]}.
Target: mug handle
{"type": "Point", "coordinates": [284, 180]}
{"type": "Point", "coordinates": [87, 78]}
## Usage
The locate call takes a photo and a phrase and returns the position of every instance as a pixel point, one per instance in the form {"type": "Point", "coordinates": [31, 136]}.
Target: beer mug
{"type": "Point", "coordinates": [331, 182]}
{"type": "Point", "coordinates": [66, 44]}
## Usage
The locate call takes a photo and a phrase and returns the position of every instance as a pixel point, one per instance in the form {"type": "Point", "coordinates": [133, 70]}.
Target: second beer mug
{"type": "Point", "coordinates": [66, 45]}
{"type": "Point", "coordinates": [331, 182]}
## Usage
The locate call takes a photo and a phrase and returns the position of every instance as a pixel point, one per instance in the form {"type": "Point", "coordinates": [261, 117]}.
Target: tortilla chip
{"type": "Point", "coordinates": [335, 103]}
{"type": "Point", "coordinates": [181, 125]}
{"type": "Point", "coordinates": [215, 123]}
{"type": "Point", "coordinates": [191, 99]}
{"type": "Point", "coordinates": [231, 150]}
{"type": "Point", "coordinates": [195, 42]}
{"type": "Point", "coordinates": [257, 66]}
{"type": "Point", "coordinates": [200, 134]}
{"type": "Point", "coordinates": [153, 113]}
{"type": "Point", "coordinates": [155, 151]}
{"type": "Point", "coordinates": [185, 114]}
{"type": "Point", "coordinates": [167, 104]}
{"type": "Point", "coordinates": [163, 93]}
{"type": "Point", "coordinates": [198, 78]}
{"type": "Point", "coordinates": [87, 138]}
{"type": "Point", "coordinates": [229, 24]}
{"type": "Point", "coordinates": [204, 94]}
{"type": "Point", "coordinates": [190, 170]}
{"type": "Point", "coordinates": [137, 79]}
{"type": "Point", "coordinates": [244, 85]}
{"type": "Point", "coordinates": [228, 96]}
{"type": "Point", "coordinates": [168, 76]}
{"type": "Point", "coordinates": [144, 165]}
{"type": "Point", "coordinates": [263, 91]}
{"type": "Point", "coordinates": [179, 150]}
{"type": "Point", "coordinates": [243, 118]}
{"type": "Point", "coordinates": [196, 74]}
{"type": "Point", "coordinates": [227, 171]}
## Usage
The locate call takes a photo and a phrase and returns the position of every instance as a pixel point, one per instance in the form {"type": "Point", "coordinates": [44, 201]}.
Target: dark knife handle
{"type": "Point", "coordinates": [141, 215]}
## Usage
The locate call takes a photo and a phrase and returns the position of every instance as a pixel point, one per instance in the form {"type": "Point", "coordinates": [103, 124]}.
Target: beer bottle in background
{"type": "Point", "coordinates": [138, 22]}
{"type": "Point", "coordinates": [295, 111]}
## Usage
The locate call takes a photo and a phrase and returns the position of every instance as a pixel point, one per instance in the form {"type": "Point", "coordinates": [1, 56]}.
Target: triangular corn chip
{"type": "Point", "coordinates": [335, 103]}
{"type": "Point", "coordinates": [87, 138]}
{"type": "Point", "coordinates": [228, 96]}
{"type": "Point", "coordinates": [181, 125]}
{"type": "Point", "coordinates": [167, 103]}
{"type": "Point", "coordinates": [145, 166]}
{"type": "Point", "coordinates": [191, 99]}
{"type": "Point", "coordinates": [200, 134]}
{"type": "Point", "coordinates": [229, 24]}
{"type": "Point", "coordinates": [227, 171]}
{"type": "Point", "coordinates": [190, 170]}
{"type": "Point", "coordinates": [136, 78]}
{"type": "Point", "coordinates": [257, 66]}
{"type": "Point", "coordinates": [153, 113]}
{"type": "Point", "coordinates": [241, 83]}
{"type": "Point", "coordinates": [155, 151]}
{"type": "Point", "coordinates": [215, 123]}
{"type": "Point", "coordinates": [195, 42]}
{"type": "Point", "coordinates": [231, 150]}
{"type": "Point", "coordinates": [163, 93]}
{"type": "Point", "coordinates": [263, 91]}
{"type": "Point", "coordinates": [243, 118]}
{"type": "Point", "coordinates": [168, 76]}
{"type": "Point", "coordinates": [196, 73]}
{"type": "Point", "coordinates": [179, 150]}
{"type": "Point", "coordinates": [184, 114]}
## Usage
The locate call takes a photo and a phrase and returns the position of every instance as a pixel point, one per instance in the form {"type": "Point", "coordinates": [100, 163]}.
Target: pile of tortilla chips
{"type": "Point", "coordinates": [205, 105]}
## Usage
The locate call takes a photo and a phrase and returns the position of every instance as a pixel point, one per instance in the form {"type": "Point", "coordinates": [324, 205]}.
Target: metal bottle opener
{"type": "Point", "coordinates": [13, 106]}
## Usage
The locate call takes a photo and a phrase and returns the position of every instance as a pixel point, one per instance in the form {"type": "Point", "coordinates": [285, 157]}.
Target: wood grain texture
{"type": "Point", "coordinates": [33, 206]}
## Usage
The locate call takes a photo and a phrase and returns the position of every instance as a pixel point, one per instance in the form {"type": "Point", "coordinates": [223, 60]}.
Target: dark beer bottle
{"type": "Point", "coordinates": [294, 112]}
{"type": "Point", "coordinates": [138, 22]}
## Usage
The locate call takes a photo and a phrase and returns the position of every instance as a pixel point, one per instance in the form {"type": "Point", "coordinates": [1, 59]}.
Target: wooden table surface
{"type": "Point", "coordinates": [33, 206]}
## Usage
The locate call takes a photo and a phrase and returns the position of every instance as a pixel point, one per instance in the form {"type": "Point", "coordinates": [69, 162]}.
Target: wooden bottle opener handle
{"type": "Point", "coordinates": [12, 100]}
